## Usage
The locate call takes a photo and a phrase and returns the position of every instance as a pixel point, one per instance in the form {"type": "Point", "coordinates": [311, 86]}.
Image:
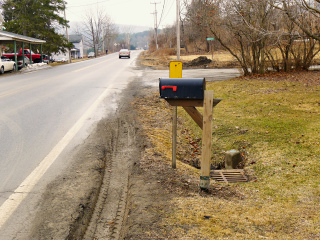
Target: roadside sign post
{"type": "Point", "coordinates": [211, 39]}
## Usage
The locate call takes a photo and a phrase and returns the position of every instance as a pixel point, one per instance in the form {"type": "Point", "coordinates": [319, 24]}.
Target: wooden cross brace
{"type": "Point", "coordinates": [196, 115]}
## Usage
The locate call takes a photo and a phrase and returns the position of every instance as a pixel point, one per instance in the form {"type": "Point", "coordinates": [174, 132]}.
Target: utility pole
{"type": "Point", "coordinates": [178, 30]}
{"type": "Point", "coordinates": [65, 18]}
{"type": "Point", "coordinates": [155, 22]}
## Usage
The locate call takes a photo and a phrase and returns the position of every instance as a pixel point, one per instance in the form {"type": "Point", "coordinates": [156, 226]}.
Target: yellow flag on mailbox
{"type": "Point", "coordinates": [175, 70]}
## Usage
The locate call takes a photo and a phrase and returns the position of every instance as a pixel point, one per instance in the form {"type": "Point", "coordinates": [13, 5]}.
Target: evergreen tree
{"type": "Point", "coordinates": [38, 19]}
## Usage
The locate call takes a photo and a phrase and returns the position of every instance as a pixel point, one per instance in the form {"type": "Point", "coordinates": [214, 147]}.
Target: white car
{"type": "Point", "coordinates": [91, 54]}
{"type": "Point", "coordinates": [7, 64]}
{"type": "Point", "coordinates": [124, 53]}
{"type": "Point", "coordinates": [62, 60]}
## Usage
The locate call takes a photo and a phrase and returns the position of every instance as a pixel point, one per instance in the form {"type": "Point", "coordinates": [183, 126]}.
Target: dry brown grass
{"type": "Point", "coordinates": [280, 116]}
{"type": "Point", "coordinates": [153, 60]}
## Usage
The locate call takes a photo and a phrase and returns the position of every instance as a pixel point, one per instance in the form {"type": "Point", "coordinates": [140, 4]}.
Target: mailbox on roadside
{"type": "Point", "coordinates": [190, 93]}
{"type": "Point", "coordinates": [182, 88]}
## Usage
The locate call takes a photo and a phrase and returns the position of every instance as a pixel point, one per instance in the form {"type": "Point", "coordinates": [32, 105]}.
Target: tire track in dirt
{"type": "Point", "coordinates": [110, 210]}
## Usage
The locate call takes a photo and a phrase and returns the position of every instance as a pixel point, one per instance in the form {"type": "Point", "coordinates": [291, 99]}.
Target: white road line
{"type": "Point", "coordinates": [12, 203]}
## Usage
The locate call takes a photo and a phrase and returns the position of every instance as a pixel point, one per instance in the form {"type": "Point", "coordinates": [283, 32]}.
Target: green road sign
{"type": "Point", "coordinates": [210, 39]}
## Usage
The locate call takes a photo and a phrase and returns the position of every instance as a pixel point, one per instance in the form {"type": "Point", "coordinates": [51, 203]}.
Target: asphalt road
{"type": "Point", "coordinates": [44, 114]}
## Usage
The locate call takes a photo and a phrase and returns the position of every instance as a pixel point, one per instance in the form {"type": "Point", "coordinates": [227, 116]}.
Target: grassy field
{"type": "Point", "coordinates": [275, 122]}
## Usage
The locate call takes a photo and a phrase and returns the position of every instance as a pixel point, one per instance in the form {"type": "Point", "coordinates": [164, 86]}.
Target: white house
{"type": "Point", "coordinates": [76, 51]}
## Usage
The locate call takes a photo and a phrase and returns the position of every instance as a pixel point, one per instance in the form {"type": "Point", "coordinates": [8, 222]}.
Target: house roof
{"type": "Point", "coordinates": [9, 37]}
{"type": "Point", "coordinates": [75, 38]}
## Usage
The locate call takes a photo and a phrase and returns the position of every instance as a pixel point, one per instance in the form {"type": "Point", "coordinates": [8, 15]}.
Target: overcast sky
{"type": "Point", "coordinates": [126, 12]}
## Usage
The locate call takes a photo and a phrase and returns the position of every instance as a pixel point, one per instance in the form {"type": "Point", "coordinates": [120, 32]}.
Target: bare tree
{"type": "Point", "coordinates": [241, 26]}
{"type": "Point", "coordinates": [127, 31]}
{"type": "Point", "coordinates": [255, 32]}
{"type": "Point", "coordinates": [111, 33]}
{"type": "Point", "coordinates": [304, 13]}
{"type": "Point", "coordinates": [194, 29]}
{"type": "Point", "coordinates": [94, 25]}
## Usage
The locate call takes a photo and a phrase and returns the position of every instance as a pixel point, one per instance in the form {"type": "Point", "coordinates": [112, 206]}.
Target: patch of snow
{"type": "Point", "coordinates": [35, 66]}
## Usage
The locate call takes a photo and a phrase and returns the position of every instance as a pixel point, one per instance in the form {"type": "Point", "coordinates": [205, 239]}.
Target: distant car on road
{"type": "Point", "coordinates": [61, 60]}
{"type": "Point", "coordinates": [6, 65]}
{"type": "Point", "coordinates": [91, 54]}
{"type": "Point", "coordinates": [124, 53]}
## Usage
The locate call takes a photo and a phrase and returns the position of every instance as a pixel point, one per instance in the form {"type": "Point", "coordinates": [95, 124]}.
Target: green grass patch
{"type": "Point", "coordinates": [276, 126]}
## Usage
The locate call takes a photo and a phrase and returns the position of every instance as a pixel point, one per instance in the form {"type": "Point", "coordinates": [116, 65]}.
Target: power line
{"type": "Point", "coordinates": [89, 4]}
{"type": "Point", "coordinates": [168, 11]}
{"type": "Point", "coordinates": [73, 13]}
{"type": "Point", "coordinates": [164, 4]}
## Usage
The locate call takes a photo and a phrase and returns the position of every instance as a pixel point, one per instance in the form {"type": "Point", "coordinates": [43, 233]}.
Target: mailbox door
{"type": "Point", "coordinates": [182, 88]}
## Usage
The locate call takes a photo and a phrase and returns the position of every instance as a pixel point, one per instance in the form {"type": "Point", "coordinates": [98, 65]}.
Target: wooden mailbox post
{"type": "Point", "coordinates": [203, 121]}
{"type": "Point", "coordinates": [175, 72]}
{"type": "Point", "coordinates": [206, 140]}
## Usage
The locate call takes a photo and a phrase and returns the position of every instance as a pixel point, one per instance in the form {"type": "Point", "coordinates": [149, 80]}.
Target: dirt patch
{"type": "Point", "coordinates": [200, 61]}
{"type": "Point", "coordinates": [162, 59]}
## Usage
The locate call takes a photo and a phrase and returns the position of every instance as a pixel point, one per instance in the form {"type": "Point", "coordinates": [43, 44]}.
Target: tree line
{"type": "Point", "coordinates": [37, 19]}
{"type": "Point", "coordinates": [262, 35]}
